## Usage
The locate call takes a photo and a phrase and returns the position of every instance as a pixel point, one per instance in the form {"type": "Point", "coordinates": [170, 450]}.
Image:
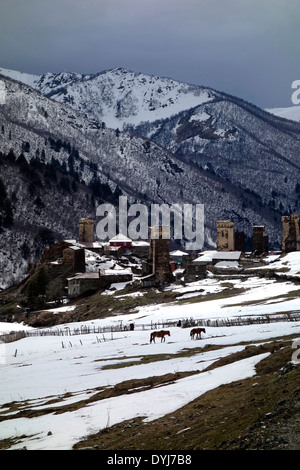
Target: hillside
{"type": "Point", "coordinates": [242, 144]}
{"type": "Point", "coordinates": [32, 215]}
{"type": "Point", "coordinates": [238, 142]}
{"type": "Point", "coordinates": [38, 127]}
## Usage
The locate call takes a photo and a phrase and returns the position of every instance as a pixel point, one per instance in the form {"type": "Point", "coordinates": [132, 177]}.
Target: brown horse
{"type": "Point", "coordinates": [197, 332]}
{"type": "Point", "coordinates": [159, 334]}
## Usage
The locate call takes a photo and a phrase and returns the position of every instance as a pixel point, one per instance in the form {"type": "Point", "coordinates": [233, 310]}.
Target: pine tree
{"type": "Point", "coordinates": [36, 288]}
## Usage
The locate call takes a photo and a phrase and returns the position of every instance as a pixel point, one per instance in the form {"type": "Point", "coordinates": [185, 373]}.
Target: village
{"type": "Point", "coordinates": [87, 265]}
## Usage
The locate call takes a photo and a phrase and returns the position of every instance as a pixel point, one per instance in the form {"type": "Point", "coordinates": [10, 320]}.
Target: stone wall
{"type": "Point", "coordinates": [54, 252]}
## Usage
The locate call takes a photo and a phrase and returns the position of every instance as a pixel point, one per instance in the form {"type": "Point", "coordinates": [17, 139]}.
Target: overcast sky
{"type": "Point", "coordinates": [248, 48]}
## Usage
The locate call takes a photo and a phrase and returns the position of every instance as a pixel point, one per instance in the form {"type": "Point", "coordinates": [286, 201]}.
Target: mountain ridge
{"type": "Point", "coordinates": [63, 87]}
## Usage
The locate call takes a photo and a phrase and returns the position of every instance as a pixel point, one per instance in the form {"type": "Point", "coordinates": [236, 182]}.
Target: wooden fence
{"type": "Point", "coordinates": [13, 336]}
{"type": "Point", "coordinates": [184, 323]}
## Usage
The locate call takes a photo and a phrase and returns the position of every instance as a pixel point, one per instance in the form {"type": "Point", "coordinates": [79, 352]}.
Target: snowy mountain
{"type": "Point", "coordinates": [238, 142]}
{"type": "Point", "coordinates": [117, 97]}
{"type": "Point", "coordinates": [197, 146]}
{"type": "Point", "coordinates": [215, 131]}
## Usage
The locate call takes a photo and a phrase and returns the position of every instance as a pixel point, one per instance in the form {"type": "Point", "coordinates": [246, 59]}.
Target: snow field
{"type": "Point", "coordinates": [35, 370]}
{"type": "Point", "coordinates": [43, 370]}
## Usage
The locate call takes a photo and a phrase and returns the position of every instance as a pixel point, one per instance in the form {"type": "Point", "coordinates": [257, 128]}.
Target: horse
{"type": "Point", "coordinates": [159, 334]}
{"type": "Point", "coordinates": [197, 332]}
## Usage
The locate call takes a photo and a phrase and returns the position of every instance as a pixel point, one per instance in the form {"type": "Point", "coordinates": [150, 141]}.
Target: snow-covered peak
{"type": "Point", "coordinates": [53, 82]}
{"type": "Point", "coordinates": [118, 96]}
{"type": "Point", "coordinates": [131, 98]}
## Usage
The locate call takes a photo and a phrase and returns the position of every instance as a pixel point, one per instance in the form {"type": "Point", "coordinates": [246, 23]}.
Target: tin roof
{"type": "Point", "coordinates": [227, 255]}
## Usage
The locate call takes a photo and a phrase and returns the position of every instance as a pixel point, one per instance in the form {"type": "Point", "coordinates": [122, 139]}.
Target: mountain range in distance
{"type": "Point", "coordinates": [61, 86]}
{"type": "Point", "coordinates": [150, 138]}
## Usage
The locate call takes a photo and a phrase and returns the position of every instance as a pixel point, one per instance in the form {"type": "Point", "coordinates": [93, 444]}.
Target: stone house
{"type": "Point", "coordinates": [120, 241]}
{"type": "Point", "coordinates": [75, 256]}
{"type": "Point", "coordinates": [82, 283]}
{"type": "Point", "coordinates": [91, 282]}
{"type": "Point", "coordinates": [55, 252]}
{"type": "Point", "coordinates": [194, 268]}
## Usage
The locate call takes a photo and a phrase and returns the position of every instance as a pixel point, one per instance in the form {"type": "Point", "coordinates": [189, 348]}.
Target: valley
{"type": "Point", "coordinates": [77, 368]}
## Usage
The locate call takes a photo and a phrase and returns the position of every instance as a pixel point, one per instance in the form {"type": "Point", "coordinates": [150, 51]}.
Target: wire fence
{"type": "Point", "coordinates": [184, 323]}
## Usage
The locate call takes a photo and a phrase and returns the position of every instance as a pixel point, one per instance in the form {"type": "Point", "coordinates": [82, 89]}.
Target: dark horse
{"type": "Point", "coordinates": [159, 334]}
{"type": "Point", "coordinates": [197, 332]}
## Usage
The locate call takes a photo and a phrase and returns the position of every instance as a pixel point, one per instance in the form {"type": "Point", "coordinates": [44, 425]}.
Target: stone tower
{"type": "Point", "coordinates": [86, 230]}
{"type": "Point", "coordinates": [260, 240]}
{"type": "Point", "coordinates": [160, 253]}
{"type": "Point", "coordinates": [225, 235]}
{"type": "Point", "coordinates": [290, 233]}
{"type": "Point", "coordinates": [239, 241]}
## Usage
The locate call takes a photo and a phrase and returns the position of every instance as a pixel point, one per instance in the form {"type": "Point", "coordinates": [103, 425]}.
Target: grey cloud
{"type": "Point", "coordinates": [245, 47]}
